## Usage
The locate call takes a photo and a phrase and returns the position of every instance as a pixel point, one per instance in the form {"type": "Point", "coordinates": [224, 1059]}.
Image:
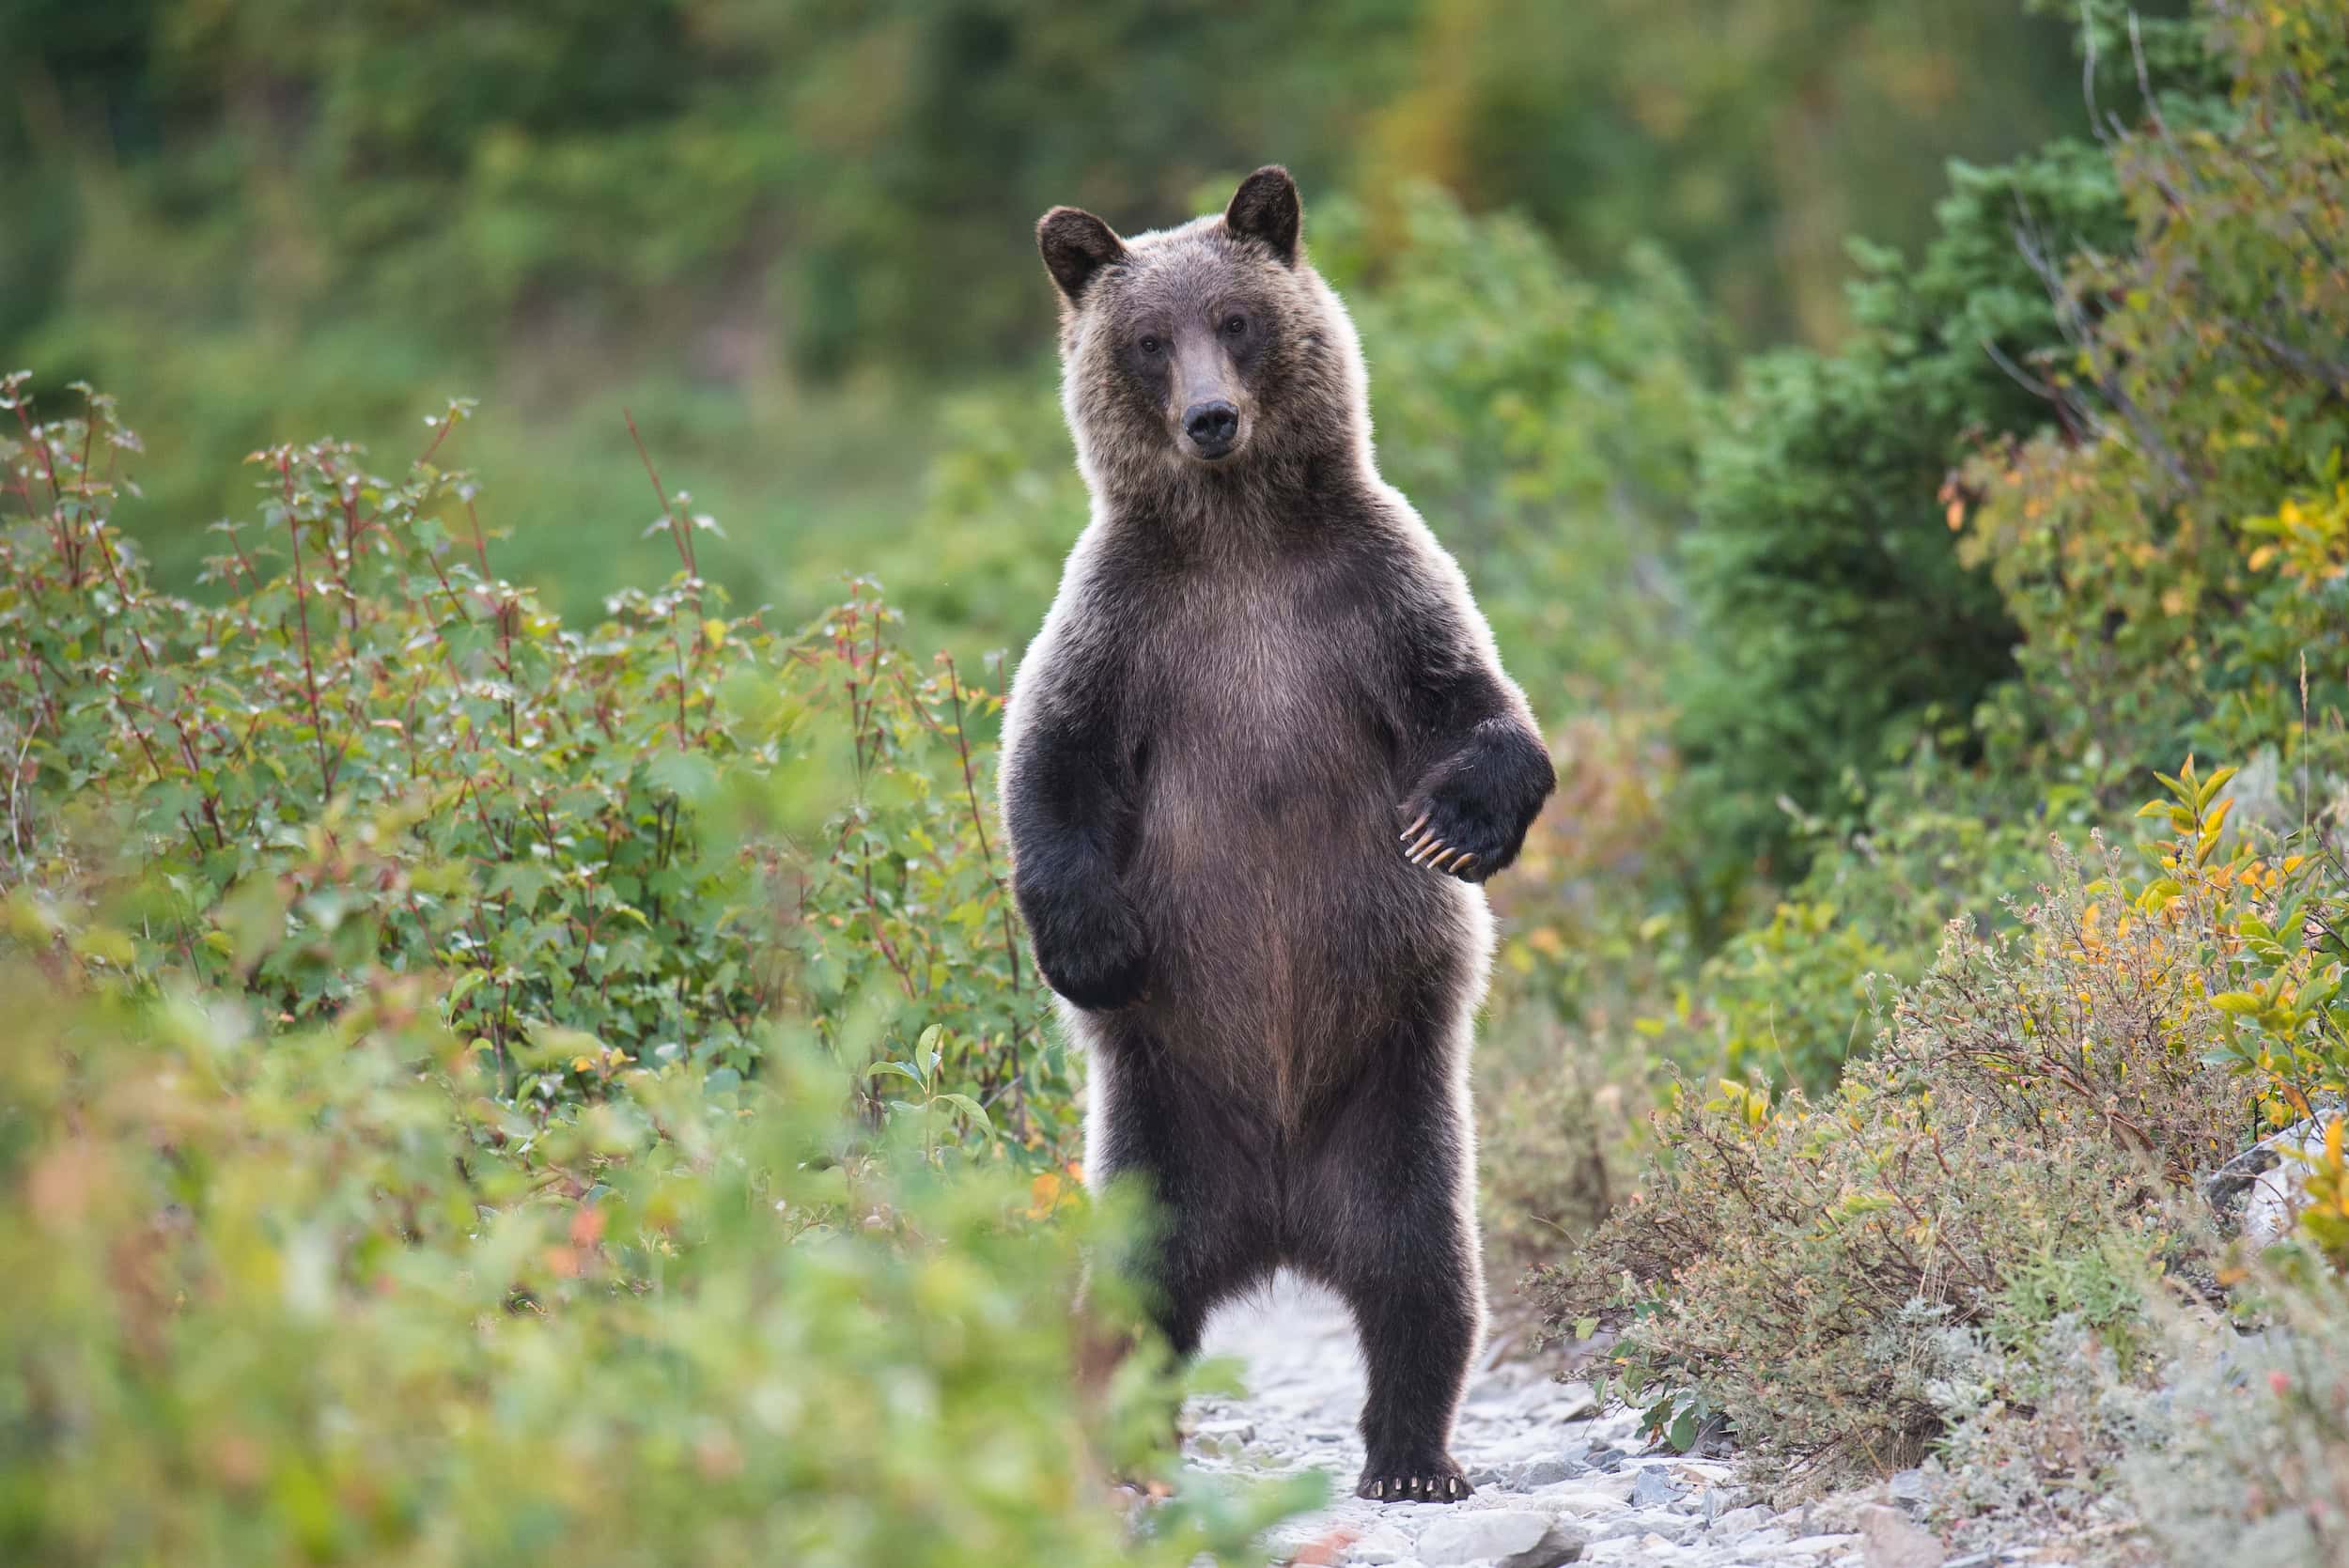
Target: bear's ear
{"type": "Point", "coordinates": [1076, 245]}
{"type": "Point", "coordinates": [1265, 208]}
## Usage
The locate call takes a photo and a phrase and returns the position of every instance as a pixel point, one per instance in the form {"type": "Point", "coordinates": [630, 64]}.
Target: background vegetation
{"type": "Point", "coordinates": [522, 1010]}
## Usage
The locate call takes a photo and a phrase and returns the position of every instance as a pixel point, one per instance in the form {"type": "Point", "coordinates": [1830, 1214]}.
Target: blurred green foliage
{"type": "Point", "coordinates": [1846, 1256]}
{"type": "Point", "coordinates": [322, 1295]}
{"type": "Point", "coordinates": [621, 988]}
{"type": "Point", "coordinates": [783, 231]}
{"type": "Point", "coordinates": [372, 750]}
{"type": "Point", "coordinates": [481, 1092]}
{"type": "Point", "coordinates": [2067, 505]}
{"type": "Point", "coordinates": [1824, 583]}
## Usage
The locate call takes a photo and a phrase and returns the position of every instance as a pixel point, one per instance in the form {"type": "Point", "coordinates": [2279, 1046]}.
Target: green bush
{"type": "Point", "coordinates": [2255, 1449]}
{"type": "Point", "coordinates": [1823, 578]}
{"type": "Point", "coordinates": [1789, 998]}
{"type": "Point", "coordinates": [2035, 1100]}
{"type": "Point", "coordinates": [479, 1092]}
{"type": "Point", "coordinates": [1835, 624]}
{"type": "Point", "coordinates": [2172, 554]}
{"type": "Point", "coordinates": [1545, 423]}
{"type": "Point", "coordinates": [2165, 555]}
{"type": "Point", "coordinates": [323, 1294]}
{"type": "Point", "coordinates": [373, 751]}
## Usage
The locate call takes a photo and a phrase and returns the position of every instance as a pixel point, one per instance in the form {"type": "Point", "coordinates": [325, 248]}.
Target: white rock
{"type": "Point", "coordinates": [1700, 1470]}
{"type": "Point", "coordinates": [1509, 1537]}
{"type": "Point", "coordinates": [1570, 1402]}
{"type": "Point", "coordinates": [1737, 1521]}
{"type": "Point", "coordinates": [1888, 1540]}
{"type": "Point", "coordinates": [2261, 1188]}
{"type": "Point", "coordinates": [1381, 1545]}
{"type": "Point", "coordinates": [1642, 1551]}
{"type": "Point", "coordinates": [1813, 1546]}
{"type": "Point", "coordinates": [1547, 1471]}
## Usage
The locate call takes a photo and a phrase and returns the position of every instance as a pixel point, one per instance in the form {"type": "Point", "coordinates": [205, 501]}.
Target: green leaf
{"type": "Point", "coordinates": [690, 776]}
{"type": "Point", "coordinates": [971, 1109]}
{"type": "Point", "coordinates": [1682, 1434]}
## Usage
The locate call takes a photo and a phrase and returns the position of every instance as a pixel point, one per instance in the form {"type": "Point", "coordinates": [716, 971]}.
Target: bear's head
{"type": "Point", "coordinates": [1207, 353]}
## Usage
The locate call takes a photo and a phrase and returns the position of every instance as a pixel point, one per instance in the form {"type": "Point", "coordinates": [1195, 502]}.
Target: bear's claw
{"type": "Point", "coordinates": [1438, 1483]}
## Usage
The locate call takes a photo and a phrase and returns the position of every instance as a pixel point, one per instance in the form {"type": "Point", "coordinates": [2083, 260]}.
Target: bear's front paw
{"type": "Point", "coordinates": [1468, 817]}
{"type": "Point", "coordinates": [1454, 837]}
{"type": "Point", "coordinates": [1092, 954]}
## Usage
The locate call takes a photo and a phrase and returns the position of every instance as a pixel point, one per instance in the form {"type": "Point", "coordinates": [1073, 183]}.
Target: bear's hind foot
{"type": "Point", "coordinates": [1438, 1482]}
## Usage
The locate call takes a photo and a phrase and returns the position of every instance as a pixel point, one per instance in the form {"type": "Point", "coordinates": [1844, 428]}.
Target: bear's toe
{"type": "Point", "coordinates": [1441, 1482]}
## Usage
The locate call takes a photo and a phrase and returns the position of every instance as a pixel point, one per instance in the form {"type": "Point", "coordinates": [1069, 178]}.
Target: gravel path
{"type": "Point", "coordinates": [1557, 1479]}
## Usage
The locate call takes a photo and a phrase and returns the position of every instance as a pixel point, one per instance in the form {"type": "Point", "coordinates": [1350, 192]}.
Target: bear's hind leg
{"type": "Point", "coordinates": [1391, 1226]}
{"type": "Point", "coordinates": [1200, 1162]}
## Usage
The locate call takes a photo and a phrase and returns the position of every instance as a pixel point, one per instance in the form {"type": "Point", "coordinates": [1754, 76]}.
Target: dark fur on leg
{"type": "Point", "coordinates": [1388, 1187]}
{"type": "Point", "coordinates": [1207, 1176]}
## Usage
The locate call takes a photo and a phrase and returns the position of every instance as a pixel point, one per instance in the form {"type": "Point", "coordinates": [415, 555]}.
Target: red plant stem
{"type": "Point", "coordinates": [245, 562]}
{"type": "Point", "coordinates": [440, 434]}
{"type": "Point", "coordinates": [301, 619]}
{"type": "Point", "coordinates": [350, 561]}
{"type": "Point", "coordinates": [65, 549]}
{"type": "Point", "coordinates": [978, 822]}
{"type": "Point", "coordinates": [679, 533]}
{"type": "Point", "coordinates": [480, 542]}
{"type": "Point", "coordinates": [681, 536]}
{"type": "Point", "coordinates": [455, 603]}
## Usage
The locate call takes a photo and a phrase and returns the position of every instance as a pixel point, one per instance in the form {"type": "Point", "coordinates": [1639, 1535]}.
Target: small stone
{"type": "Point", "coordinates": [1817, 1546]}
{"type": "Point", "coordinates": [1737, 1521]}
{"type": "Point", "coordinates": [1545, 1472]}
{"type": "Point", "coordinates": [1507, 1537]}
{"type": "Point", "coordinates": [1888, 1540]}
{"type": "Point", "coordinates": [1633, 1552]}
{"type": "Point", "coordinates": [1657, 1526]}
{"type": "Point", "coordinates": [1701, 1470]}
{"type": "Point", "coordinates": [1907, 1488]}
{"type": "Point", "coordinates": [1653, 1488]}
{"type": "Point", "coordinates": [1616, 1483]}
{"type": "Point", "coordinates": [1583, 1501]}
{"type": "Point", "coordinates": [1380, 1547]}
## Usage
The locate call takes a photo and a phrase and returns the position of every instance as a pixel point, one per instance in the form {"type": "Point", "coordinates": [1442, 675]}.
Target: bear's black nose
{"type": "Point", "coordinates": [1212, 426]}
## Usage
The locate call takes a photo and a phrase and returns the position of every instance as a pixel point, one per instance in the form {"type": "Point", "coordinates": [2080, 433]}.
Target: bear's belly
{"type": "Point", "coordinates": [1288, 937]}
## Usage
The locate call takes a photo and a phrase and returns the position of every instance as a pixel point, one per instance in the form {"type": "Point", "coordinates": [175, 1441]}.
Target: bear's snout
{"type": "Point", "coordinates": [1211, 427]}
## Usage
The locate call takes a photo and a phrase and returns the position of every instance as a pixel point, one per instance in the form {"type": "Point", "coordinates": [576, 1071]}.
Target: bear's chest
{"type": "Point", "coordinates": [1263, 696]}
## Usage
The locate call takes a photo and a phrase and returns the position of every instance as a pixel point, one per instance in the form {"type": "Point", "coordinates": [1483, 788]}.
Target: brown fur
{"type": "Point", "coordinates": [1261, 667]}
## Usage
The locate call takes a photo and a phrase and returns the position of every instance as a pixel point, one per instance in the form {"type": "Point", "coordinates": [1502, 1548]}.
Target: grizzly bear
{"type": "Point", "coordinates": [1257, 765]}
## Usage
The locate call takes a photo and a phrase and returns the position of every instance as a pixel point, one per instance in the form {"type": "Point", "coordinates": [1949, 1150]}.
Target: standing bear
{"type": "Point", "coordinates": [1256, 766]}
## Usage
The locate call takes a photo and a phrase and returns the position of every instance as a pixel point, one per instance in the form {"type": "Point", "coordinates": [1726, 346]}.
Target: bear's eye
{"type": "Point", "coordinates": [1150, 345]}
{"type": "Point", "coordinates": [1235, 327]}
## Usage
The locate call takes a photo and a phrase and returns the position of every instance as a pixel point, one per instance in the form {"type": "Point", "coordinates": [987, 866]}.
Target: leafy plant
{"type": "Point", "coordinates": [323, 1292]}
{"type": "Point", "coordinates": [478, 1091]}
{"type": "Point", "coordinates": [2036, 1101]}
{"type": "Point", "coordinates": [372, 750]}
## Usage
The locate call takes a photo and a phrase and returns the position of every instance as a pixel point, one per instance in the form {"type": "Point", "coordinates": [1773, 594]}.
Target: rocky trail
{"type": "Point", "coordinates": [1557, 1479]}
